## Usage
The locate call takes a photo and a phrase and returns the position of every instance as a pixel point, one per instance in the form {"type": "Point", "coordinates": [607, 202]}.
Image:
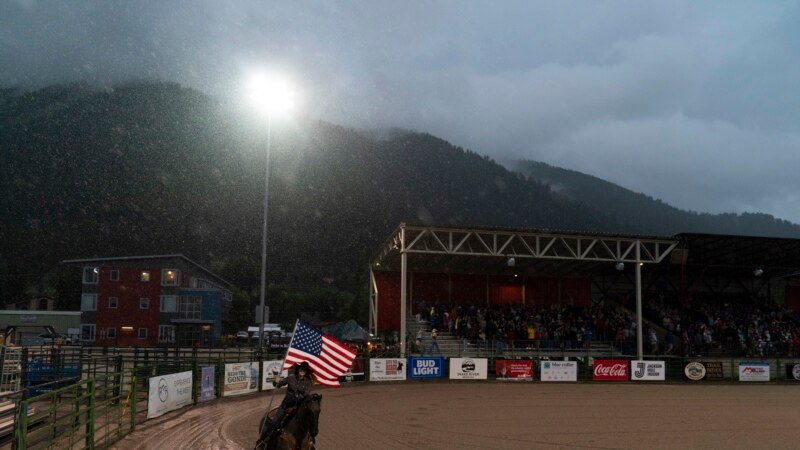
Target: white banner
{"type": "Point", "coordinates": [387, 369]}
{"type": "Point", "coordinates": [271, 370]}
{"type": "Point", "coordinates": [753, 371]}
{"type": "Point", "coordinates": [168, 393]}
{"type": "Point", "coordinates": [648, 370]}
{"type": "Point", "coordinates": [240, 378]}
{"type": "Point", "coordinates": [468, 368]}
{"type": "Point", "coordinates": [559, 371]}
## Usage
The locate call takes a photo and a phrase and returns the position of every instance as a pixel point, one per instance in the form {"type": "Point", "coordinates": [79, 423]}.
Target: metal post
{"type": "Point", "coordinates": [90, 412]}
{"type": "Point", "coordinates": [403, 269]}
{"type": "Point", "coordinates": [133, 400]}
{"type": "Point", "coordinates": [264, 236]}
{"type": "Point", "coordinates": [639, 346]}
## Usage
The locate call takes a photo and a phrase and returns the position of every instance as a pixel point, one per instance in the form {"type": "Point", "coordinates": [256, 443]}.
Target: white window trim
{"type": "Point", "coordinates": [93, 334]}
{"type": "Point", "coordinates": [116, 303]}
{"type": "Point", "coordinates": [174, 302]}
{"type": "Point", "coordinates": [162, 334]}
{"type": "Point", "coordinates": [146, 302]}
{"type": "Point", "coordinates": [95, 278]}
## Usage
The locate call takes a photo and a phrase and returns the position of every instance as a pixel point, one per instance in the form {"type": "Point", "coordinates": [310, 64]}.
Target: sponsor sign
{"type": "Point", "coordinates": [793, 372]}
{"type": "Point", "coordinates": [272, 369]}
{"type": "Point", "coordinates": [695, 371]}
{"type": "Point", "coordinates": [240, 378]}
{"type": "Point", "coordinates": [468, 368]}
{"type": "Point", "coordinates": [648, 370]}
{"type": "Point", "coordinates": [559, 371]}
{"type": "Point", "coordinates": [168, 393]}
{"type": "Point", "coordinates": [207, 384]}
{"type": "Point", "coordinates": [713, 370]}
{"type": "Point", "coordinates": [610, 370]}
{"type": "Point", "coordinates": [426, 367]}
{"type": "Point", "coordinates": [387, 369]}
{"type": "Point", "coordinates": [753, 371]}
{"type": "Point", "coordinates": [513, 369]}
{"type": "Point", "coordinates": [355, 372]}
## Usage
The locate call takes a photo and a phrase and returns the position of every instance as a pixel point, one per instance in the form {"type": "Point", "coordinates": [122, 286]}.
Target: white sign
{"type": "Point", "coordinates": [387, 369]}
{"type": "Point", "coordinates": [753, 371]}
{"type": "Point", "coordinates": [271, 370]}
{"type": "Point", "coordinates": [240, 378]}
{"type": "Point", "coordinates": [468, 368]}
{"type": "Point", "coordinates": [168, 393]}
{"type": "Point", "coordinates": [648, 370]}
{"type": "Point", "coordinates": [559, 371]}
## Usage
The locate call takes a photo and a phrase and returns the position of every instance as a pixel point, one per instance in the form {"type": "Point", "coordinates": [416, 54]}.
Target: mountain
{"type": "Point", "coordinates": [156, 168]}
{"type": "Point", "coordinates": [646, 214]}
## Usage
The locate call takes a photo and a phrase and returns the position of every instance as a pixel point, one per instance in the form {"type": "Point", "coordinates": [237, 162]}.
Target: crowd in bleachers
{"type": "Point", "coordinates": [700, 325]}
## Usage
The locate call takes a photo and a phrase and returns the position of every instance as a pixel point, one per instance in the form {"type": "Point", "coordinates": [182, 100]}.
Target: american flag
{"type": "Point", "coordinates": [328, 358]}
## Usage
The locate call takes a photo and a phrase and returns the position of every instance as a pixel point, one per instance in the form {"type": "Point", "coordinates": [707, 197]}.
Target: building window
{"type": "Point", "coordinates": [144, 303]}
{"type": "Point", "coordinates": [194, 283]}
{"type": "Point", "coordinates": [170, 277]}
{"type": "Point", "coordinates": [145, 276]}
{"type": "Point", "coordinates": [142, 333]}
{"type": "Point", "coordinates": [166, 334]}
{"type": "Point", "coordinates": [111, 333]}
{"type": "Point", "coordinates": [112, 302]}
{"type": "Point", "coordinates": [89, 302]}
{"type": "Point", "coordinates": [90, 275]}
{"type": "Point", "coordinates": [115, 275]}
{"type": "Point", "coordinates": [169, 303]}
{"type": "Point", "coordinates": [87, 332]}
{"type": "Point", "coordinates": [189, 307]}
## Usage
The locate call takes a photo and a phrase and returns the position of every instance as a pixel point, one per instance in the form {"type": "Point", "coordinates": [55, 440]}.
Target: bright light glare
{"type": "Point", "coordinates": [270, 94]}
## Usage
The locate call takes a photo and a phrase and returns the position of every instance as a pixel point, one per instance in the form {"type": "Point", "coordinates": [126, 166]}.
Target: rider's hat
{"type": "Point", "coordinates": [303, 365]}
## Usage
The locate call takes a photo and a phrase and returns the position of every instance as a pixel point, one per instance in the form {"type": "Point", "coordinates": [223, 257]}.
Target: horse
{"type": "Point", "coordinates": [298, 431]}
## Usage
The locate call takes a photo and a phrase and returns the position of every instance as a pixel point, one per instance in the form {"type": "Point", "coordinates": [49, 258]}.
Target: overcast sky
{"type": "Point", "coordinates": [695, 103]}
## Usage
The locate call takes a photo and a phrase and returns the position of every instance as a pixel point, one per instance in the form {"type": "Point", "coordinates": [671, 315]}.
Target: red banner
{"type": "Point", "coordinates": [610, 369]}
{"type": "Point", "coordinates": [513, 369]}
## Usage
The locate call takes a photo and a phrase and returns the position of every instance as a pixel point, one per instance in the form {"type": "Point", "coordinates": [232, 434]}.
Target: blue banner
{"type": "Point", "coordinates": [207, 384]}
{"type": "Point", "coordinates": [426, 367]}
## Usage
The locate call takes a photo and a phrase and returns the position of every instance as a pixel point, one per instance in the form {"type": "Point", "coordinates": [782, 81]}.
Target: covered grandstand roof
{"type": "Point", "coordinates": [777, 257]}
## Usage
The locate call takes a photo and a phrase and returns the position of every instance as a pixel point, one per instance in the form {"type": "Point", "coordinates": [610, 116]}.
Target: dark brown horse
{"type": "Point", "coordinates": [298, 431]}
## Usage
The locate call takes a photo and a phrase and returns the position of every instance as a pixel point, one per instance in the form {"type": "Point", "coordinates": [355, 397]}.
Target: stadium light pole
{"type": "Point", "coordinates": [271, 97]}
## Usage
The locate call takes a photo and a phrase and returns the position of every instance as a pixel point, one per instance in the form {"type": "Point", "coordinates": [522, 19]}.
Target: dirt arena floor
{"type": "Point", "coordinates": [498, 415]}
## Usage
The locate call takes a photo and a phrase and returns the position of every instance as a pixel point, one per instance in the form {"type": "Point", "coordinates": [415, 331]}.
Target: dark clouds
{"type": "Point", "coordinates": [695, 103]}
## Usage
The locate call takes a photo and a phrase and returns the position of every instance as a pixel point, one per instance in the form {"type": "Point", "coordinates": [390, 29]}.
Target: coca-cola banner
{"type": "Point", "coordinates": [514, 369]}
{"type": "Point", "coordinates": [648, 370]}
{"type": "Point", "coordinates": [610, 370]}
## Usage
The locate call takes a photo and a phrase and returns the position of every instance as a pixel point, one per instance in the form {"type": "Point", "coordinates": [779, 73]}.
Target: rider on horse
{"type": "Point", "coordinates": [299, 386]}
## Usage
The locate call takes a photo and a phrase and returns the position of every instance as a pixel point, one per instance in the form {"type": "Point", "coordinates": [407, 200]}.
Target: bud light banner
{"type": "Point", "coordinates": [793, 372]}
{"type": "Point", "coordinates": [168, 393]}
{"type": "Point", "coordinates": [610, 370]}
{"type": "Point", "coordinates": [753, 371]}
{"type": "Point", "coordinates": [648, 370]}
{"type": "Point", "coordinates": [513, 369]}
{"type": "Point", "coordinates": [387, 369]}
{"type": "Point", "coordinates": [468, 368]}
{"type": "Point", "coordinates": [559, 371]}
{"type": "Point", "coordinates": [426, 367]}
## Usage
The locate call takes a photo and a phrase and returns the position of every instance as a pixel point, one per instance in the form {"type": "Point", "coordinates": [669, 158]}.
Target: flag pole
{"type": "Point", "coordinates": [294, 333]}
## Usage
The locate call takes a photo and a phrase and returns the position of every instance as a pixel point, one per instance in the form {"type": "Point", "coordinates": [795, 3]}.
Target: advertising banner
{"type": "Point", "coordinates": [355, 372]}
{"type": "Point", "coordinates": [610, 370]}
{"type": "Point", "coordinates": [426, 367]}
{"type": "Point", "coordinates": [559, 371]}
{"type": "Point", "coordinates": [207, 384]}
{"type": "Point", "coordinates": [793, 372]}
{"type": "Point", "coordinates": [168, 393]}
{"type": "Point", "coordinates": [695, 371]}
{"type": "Point", "coordinates": [648, 370]}
{"type": "Point", "coordinates": [513, 369]}
{"type": "Point", "coordinates": [240, 378]}
{"type": "Point", "coordinates": [469, 368]}
{"type": "Point", "coordinates": [713, 371]}
{"type": "Point", "coordinates": [753, 371]}
{"type": "Point", "coordinates": [271, 370]}
{"type": "Point", "coordinates": [387, 369]}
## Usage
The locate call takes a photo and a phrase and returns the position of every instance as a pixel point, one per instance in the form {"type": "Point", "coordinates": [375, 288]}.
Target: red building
{"type": "Point", "coordinates": [147, 301]}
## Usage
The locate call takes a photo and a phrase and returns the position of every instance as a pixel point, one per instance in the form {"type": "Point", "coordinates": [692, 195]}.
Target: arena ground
{"type": "Point", "coordinates": [497, 415]}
